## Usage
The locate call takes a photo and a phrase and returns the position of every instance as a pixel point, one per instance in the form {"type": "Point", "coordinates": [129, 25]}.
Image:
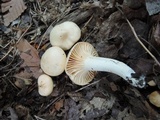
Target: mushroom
{"type": "Point", "coordinates": [45, 85]}
{"type": "Point", "coordinates": [65, 35]}
{"type": "Point", "coordinates": [151, 83]}
{"type": "Point", "coordinates": [82, 62]}
{"type": "Point", "coordinates": [53, 61]}
{"type": "Point", "coordinates": [154, 98]}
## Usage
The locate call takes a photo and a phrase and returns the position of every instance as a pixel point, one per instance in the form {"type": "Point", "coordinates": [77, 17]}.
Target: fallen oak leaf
{"type": "Point", "coordinates": [24, 46]}
{"type": "Point", "coordinates": [31, 59]}
{"type": "Point", "coordinates": [14, 9]}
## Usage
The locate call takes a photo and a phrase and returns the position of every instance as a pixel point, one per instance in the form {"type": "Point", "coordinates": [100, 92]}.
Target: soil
{"type": "Point", "coordinates": [104, 25]}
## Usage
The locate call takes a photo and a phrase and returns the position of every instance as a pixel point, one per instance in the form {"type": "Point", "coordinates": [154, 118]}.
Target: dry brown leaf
{"type": "Point", "coordinates": [23, 112]}
{"type": "Point", "coordinates": [23, 74]}
{"type": "Point", "coordinates": [153, 115]}
{"type": "Point", "coordinates": [14, 9]}
{"type": "Point", "coordinates": [59, 104]}
{"type": "Point", "coordinates": [31, 59]}
{"type": "Point", "coordinates": [23, 79]}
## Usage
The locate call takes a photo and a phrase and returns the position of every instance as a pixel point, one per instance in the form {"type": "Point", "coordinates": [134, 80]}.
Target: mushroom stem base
{"type": "Point", "coordinates": [114, 66]}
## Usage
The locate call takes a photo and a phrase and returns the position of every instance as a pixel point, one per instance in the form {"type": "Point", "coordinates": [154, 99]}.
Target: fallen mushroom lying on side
{"type": "Point", "coordinates": [83, 61]}
{"type": "Point", "coordinates": [45, 85]}
{"type": "Point", "coordinates": [154, 98]}
{"type": "Point", "coordinates": [65, 35]}
{"type": "Point", "coordinates": [53, 61]}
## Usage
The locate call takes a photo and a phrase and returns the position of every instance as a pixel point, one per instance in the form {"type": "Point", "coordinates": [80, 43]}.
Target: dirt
{"type": "Point", "coordinates": [104, 25]}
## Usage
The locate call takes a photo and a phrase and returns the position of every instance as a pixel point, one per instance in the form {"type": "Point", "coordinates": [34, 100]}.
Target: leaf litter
{"type": "Point", "coordinates": [103, 25]}
{"type": "Point", "coordinates": [31, 60]}
{"type": "Point", "coordinates": [14, 9]}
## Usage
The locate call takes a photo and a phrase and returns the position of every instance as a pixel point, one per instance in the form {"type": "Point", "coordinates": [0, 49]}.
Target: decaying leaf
{"type": "Point", "coordinates": [75, 96]}
{"type": "Point", "coordinates": [31, 60]}
{"type": "Point", "coordinates": [59, 104]}
{"type": "Point", "coordinates": [12, 115]}
{"type": "Point", "coordinates": [96, 107]}
{"type": "Point", "coordinates": [88, 107]}
{"type": "Point", "coordinates": [154, 39]}
{"type": "Point", "coordinates": [23, 79]}
{"type": "Point", "coordinates": [132, 48]}
{"type": "Point", "coordinates": [153, 6]}
{"type": "Point", "coordinates": [126, 114]}
{"type": "Point", "coordinates": [23, 112]}
{"type": "Point", "coordinates": [14, 9]}
{"type": "Point", "coordinates": [144, 66]}
{"type": "Point", "coordinates": [157, 34]}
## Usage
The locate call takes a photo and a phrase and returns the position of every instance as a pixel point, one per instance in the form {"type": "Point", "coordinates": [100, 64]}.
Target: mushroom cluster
{"type": "Point", "coordinates": [82, 61]}
{"type": "Point", "coordinates": [62, 37]}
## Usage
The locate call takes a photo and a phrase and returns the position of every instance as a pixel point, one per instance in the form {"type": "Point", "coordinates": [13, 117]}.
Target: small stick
{"type": "Point", "coordinates": [16, 43]}
{"type": "Point", "coordinates": [150, 45]}
{"type": "Point", "coordinates": [88, 85]}
{"type": "Point", "coordinates": [38, 118]}
{"type": "Point", "coordinates": [53, 101]}
{"type": "Point", "coordinates": [135, 34]}
{"type": "Point", "coordinates": [7, 54]}
{"type": "Point", "coordinates": [23, 34]}
{"type": "Point", "coordinates": [142, 43]}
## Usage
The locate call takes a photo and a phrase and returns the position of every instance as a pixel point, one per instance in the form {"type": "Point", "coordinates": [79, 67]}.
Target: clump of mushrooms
{"type": "Point", "coordinates": [83, 62]}
{"type": "Point", "coordinates": [45, 85]}
{"type": "Point", "coordinates": [154, 98]}
{"type": "Point", "coordinates": [65, 35]}
{"type": "Point", "coordinates": [53, 61]}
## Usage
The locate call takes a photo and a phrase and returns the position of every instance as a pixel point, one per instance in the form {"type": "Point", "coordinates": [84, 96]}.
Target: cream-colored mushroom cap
{"type": "Point", "coordinates": [65, 35]}
{"type": "Point", "coordinates": [154, 98]}
{"type": "Point", "coordinates": [75, 63]}
{"type": "Point", "coordinates": [53, 61]}
{"type": "Point", "coordinates": [45, 85]}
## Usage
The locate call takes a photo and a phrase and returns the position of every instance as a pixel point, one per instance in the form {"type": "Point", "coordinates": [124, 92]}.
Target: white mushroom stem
{"type": "Point", "coordinates": [114, 66]}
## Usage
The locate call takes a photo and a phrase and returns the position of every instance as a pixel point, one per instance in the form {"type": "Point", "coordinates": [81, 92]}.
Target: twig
{"type": "Point", "coordinates": [135, 34]}
{"type": "Point", "coordinates": [16, 43]}
{"type": "Point", "coordinates": [88, 85]}
{"type": "Point", "coordinates": [44, 35]}
{"type": "Point", "coordinates": [142, 43]}
{"type": "Point", "coordinates": [150, 45]}
{"type": "Point", "coordinates": [8, 64]}
{"type": "Point", "coordinates": [6, 45]}
{"type": "Point", "coordinates": [23, 34]}
{"type": "Point", "coordinates": [38, 118]}
{"type": "Point", "coordinates": [6, 54]}
{"type": "Point", "coordinates": [52, 102]}
{"type": "Point", "coordinates": [10, 70]}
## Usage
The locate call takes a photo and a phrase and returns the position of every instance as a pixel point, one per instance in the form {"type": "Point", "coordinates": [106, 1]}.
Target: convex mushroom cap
{"type": "Point", "coordinates": [83, 62]}
{"type": "Point", "coordinates": [154, 98]}
{"type": "Point", "coordinates": [65, 35]}
{"type": "Point", "coordinates": [45, 85]}
{"type": "Point", "coordinates": [53, 61]}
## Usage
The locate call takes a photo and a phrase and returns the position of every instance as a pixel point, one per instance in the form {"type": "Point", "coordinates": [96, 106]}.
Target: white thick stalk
{"type": "Point", "coordinates": [116, 67]}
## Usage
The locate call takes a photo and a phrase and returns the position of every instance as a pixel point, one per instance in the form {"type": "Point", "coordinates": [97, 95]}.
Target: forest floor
{"type": "Point", "coordinates": [104, 24]}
